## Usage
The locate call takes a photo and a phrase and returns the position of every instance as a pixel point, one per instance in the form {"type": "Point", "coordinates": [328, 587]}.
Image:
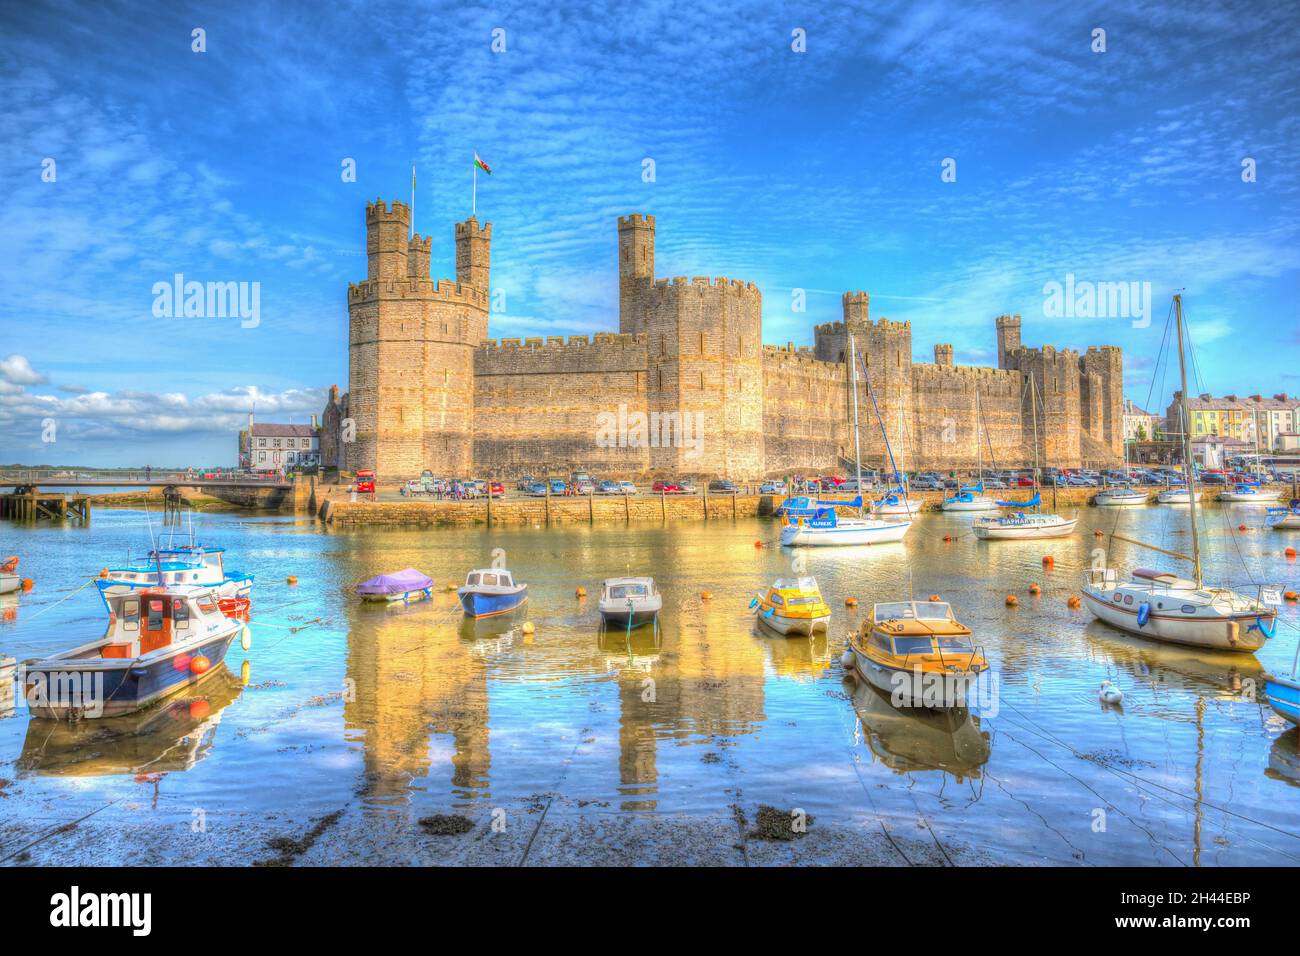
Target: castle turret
{"type": "Point", "coordinates": [473, 253]}
{"type": "Point", "coordinates": [636, 269]}
{"type": "Point", "coordinates": [417, 257]}
{"type": "Point", "coordinates": [1008, 339]}
{"type": "Point", "coordinates": [943, 354]}
{"type": "Point", "coordinates": [386, 246]}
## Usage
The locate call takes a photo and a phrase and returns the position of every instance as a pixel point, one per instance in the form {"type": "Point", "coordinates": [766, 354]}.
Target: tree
{"type": "Point", "coordinates": [1141, 433]}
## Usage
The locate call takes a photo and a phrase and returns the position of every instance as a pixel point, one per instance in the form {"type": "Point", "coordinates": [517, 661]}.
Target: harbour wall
{"type": "Point", "coordinates": [516, 512]}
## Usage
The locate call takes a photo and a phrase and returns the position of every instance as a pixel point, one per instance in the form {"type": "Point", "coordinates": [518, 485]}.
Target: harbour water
{"type": "Point", "coordinates": [391, 715]}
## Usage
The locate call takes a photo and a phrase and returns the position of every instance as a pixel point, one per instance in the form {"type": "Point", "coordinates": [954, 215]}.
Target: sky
{"type": "Point", "coordinates": [951, 160]}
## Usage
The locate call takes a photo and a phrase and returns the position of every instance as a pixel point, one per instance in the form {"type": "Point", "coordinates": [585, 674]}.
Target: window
{"type": "Point", "coordinates": [490, 580]}
{"type": "Point", "coordinates": [472, 580]}
{"type": "Point", "coordinates": [131, 614]}
{"type": "Point", "coordinates": [180, 614]}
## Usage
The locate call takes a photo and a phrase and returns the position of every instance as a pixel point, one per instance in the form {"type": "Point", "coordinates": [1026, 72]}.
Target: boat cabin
{"type": "Point", "coordinates": [144, 621]}
{"type": "Point", "coordinates": [489, 578]}
{"type": "Point", "coordinates": [917, 628]}
{"type": "Point", "coordinates": [622, 589]}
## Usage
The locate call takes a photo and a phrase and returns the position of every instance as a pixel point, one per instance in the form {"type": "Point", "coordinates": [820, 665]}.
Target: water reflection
{"type": "Point", "coordinates": [173, 736]}
{"type": "Point", "coordinates": [1222, 675]}
{"type": "Point", "coordinates": [912, 739]}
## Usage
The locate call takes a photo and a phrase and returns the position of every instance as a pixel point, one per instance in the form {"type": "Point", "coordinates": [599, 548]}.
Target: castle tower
{"type": "Point", "coordinates": [411, 348]}
{"type": "Point", "coordinates": [386, 232]}
{"type": "Point", "coordinates": [943, 354]}
{"type": "Point", "coordinates": [885, 348]}
{"type": "Point", "coordinates": [1008, 339]}
{"type": "Point", "coordinates": [636, 269]}
{"type": "Point", "coordinates": [473, 253]}
{"type": "Point", "coordinates": [1057, 377]}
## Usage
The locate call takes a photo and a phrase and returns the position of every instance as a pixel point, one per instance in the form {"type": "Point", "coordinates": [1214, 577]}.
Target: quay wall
{"type": "Point", "coordinates": [515, 512]}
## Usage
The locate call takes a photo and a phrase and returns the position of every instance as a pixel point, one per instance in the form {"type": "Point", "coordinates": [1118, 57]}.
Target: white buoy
{"type": "Point", "coordinates": [847, 659]}
{"type": "Point", "coordinates": [1109, 693]}
{"type": "Point", "coordinates": [246, 638]}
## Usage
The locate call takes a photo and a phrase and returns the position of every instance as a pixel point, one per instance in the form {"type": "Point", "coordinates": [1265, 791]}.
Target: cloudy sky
{"type": "Point", "coordinates": [819, 170]}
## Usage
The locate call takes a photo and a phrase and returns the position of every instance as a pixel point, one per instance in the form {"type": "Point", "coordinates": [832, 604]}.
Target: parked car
{"type": "Point", "coordinates": [536, 490]}
{"type": "Point", "coordinates": [585, 486]}
{"type": "Point", "coordinates": [558, 487]}
{"type": "Point", "coordinates": [772, 488]}
{"type": "Point", "coordinates": [722, 487]}
{"type": "Point", "coordinates": [608, 487]}
{"type": "Point", "coordinates": [927, 484]}
{"type": "Point", "coordinates": [525, 482]}
{"type": "Point", "coordinates": [627, 488]}
{"type": "Point", "coordinates": [667, 488]}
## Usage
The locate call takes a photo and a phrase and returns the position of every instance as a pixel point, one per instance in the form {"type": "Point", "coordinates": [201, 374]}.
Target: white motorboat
{"type": "Point", "coordinates": [793, 606]}
{"type": "Point", "coordinates": [1174, 496]}
{"type": "Point", "coordinates": [1165, 607]}
{"type": "Point", "coordinates": [1285, 519]}
{"type": "Point", "coordinates": [1120, 497]}
{"type": "Point", "coordinates": [1022, 526]}
{"type": "Point", "coordinates": [1249, 494]}
{"type": "Point", "coordinates": [630, 602]}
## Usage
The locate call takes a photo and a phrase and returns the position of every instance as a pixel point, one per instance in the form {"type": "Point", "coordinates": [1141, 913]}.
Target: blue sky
{"type": "Point", "coordinates": [818, 170]}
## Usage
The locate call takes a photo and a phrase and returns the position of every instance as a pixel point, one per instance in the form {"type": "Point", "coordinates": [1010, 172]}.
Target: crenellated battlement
{"type": "Point", "coordinates": [470, 229]}
{"type": "Point", "coordinates": [701, 283]}
{"type": "Point", "coordinates": [379, 211]}
{"type": "Point", "coordinates": [554, 343]}
{"type": "Point", "coordinates": [636, 218]}
{"type": "Point", "coordinates": [443, 290]}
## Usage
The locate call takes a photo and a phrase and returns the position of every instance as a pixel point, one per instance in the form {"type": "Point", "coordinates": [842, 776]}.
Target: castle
{"type": "Point", "coordinates": [429, 390]}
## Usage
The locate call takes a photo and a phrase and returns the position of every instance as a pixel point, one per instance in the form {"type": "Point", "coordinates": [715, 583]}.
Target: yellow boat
{"type": "Point", "coordinates": [793, 606]}
{"type": "Point", "coordinates": [917, 652]}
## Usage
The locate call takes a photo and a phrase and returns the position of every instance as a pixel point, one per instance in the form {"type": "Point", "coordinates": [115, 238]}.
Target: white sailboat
{"type": "Point", "coordinates": [826, 526]}
{"type": "Point", "coordinates": [1025, 525]}
{"type": "Point", "coordinates": [972, 499]}
{"type": "Point", "coordinates": [1251, 492]}
{"type": "Point", "coordinates": [1174, 496]}
{"type": "Point", "coordinates": [1120, 497]}
{"type": "Point", "coordinates": [1165, 607]}
{"type": "Point", "coordinates": [895, 501]}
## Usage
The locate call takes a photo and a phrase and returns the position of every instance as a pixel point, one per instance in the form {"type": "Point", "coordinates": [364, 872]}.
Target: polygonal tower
{"type": "Point", "coordinates": [1008, 339]}
{"type": "Point", "coordinates": [411, 344]}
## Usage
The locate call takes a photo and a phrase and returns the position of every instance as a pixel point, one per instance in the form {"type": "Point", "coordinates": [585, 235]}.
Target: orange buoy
{"type": "Point", "coordinates": [1035, 589]}
{"type": "Point", "coordinates": [935, 597]}
{"type": "Point", "coordinates": [292, 580]}
{"type": "Point", "coordinates": [1048, 561]}
{"type": "Point", "coordinates": [103, 572]}
{"type": "Point", "coordinates": [200, 665]}
{"type": "Point", "coordinates": [1291, 596]}
{"type": "Point", "coordinates": [452, 586]}
{"type": "Point", "coordinates": [1242, 527]}
{"type": "Point", "coordinates": [1012, 600]}
{"type": "Point", "coordinates": [1289, 552]}
{"type": "Point", "coordinates": [27, 584]}
{"type": "Point", "coordinates": [1097, 533]}
{"type": "Point", "coordinates": [850, 601]}
{"type": "Point", "coordinates": [758, 544]}
{"type": "Point", "coordinates": [181, 662]}
{"type": "Point", "coordinates": [1074, 601]}
{"type": "Point", "coordinates": [580, 591]}
{"type": "Point", "coordinates": [705, 595]}
{"type": "Point", "coordinates": [947, 538]}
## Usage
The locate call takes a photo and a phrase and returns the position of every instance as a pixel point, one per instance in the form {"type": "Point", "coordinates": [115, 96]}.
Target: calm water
{"type": "Point", "coordinates": [410, 710]}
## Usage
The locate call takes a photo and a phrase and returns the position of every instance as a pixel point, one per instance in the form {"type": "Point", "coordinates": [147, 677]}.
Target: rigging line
{"type": "Point", "coordinates": [1164, 339]}
{"type": "Point", "coordinates": [1047, 735]}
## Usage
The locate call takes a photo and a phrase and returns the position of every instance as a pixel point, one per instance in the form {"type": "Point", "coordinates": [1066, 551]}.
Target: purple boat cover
{"type": "Point", "coordinates": [408, 580]}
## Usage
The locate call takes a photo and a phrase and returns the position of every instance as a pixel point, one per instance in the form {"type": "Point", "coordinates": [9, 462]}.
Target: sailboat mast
{"type": "Point", "coordinates": [853, 379]}
{"type": "Point", "coordinates": [979, 460]}
{"type": "Point", "coordinates": [1033, 404]}
{"type": "Point", "coordinates": [1188, 464]}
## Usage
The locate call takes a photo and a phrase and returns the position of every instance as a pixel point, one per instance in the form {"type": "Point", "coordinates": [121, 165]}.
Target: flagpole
{"type": "Point", "coordinates": [412, 235]}
{"type": "Point", "coordinates": [473, 202]}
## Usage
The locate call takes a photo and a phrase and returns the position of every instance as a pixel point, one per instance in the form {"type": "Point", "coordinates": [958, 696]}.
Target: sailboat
{"type": "Point", "coordinates": [1250, 492]}
{"type": "Point", "coordinates": [972, 498]}
{"type": "Point", "coordinates": [1022, 525]}
{"type": "Point", "coordinates": [1120, 497]}
{"type": "Point", "coordinates": [895, 500]}
{"type": "Point", "coordinates": [826, 526]}
{"type": "Point", "coordinates": [1287, 518]}
{"type": "Point", "coordinates": [1165, 607]}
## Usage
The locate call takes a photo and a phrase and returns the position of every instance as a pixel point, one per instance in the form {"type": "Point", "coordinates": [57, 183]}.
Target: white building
{"type": "Point", "coordinates": [271, 446]}
{"type": "Point", "coordinates": [1140, 425]}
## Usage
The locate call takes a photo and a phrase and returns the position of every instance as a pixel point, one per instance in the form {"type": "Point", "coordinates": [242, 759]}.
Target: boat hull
{"type": "Point", "coordinates": [1028, 532]}
{"type": "Point", "coordinates": [481, 604]}
{"type": "Point", "coordinates": [400, 597]}
{"type": "Point", "coordinates": [1289, 522]}
{"type": "Point", "coordinates": [9, 583]}
{"type": "Point", "coordinates": [912, 687]}
{"type": "Point", "coordinates": [625, 618]}
{"type": "Point", "coordinates": [1224, 633]}
{"type": "Point", "coordinates": [795, 626]}
{"type": "Point", "coordinates": [1283, 695]}
{"type": "Point", "coordinates": [1246, 497]}
{"type": "Point", "coordinates": [62, 689]}
{"type": "Point", "coordinates": [881, 533]}
{"type": "Point", "coordinates": [1105, 500]}
{"type": "Point", "coordinates": [977, 504]}
{"type": "Point", "coordinates": [1175, 497]}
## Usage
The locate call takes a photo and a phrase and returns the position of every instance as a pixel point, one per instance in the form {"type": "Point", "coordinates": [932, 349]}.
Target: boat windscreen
{"type": "Point", "coordinates": [895, 611]}
{"type": "Point", "coordinates": [627, 590]}
{"type": "Point", "coordinates": [955, 642]}
{"type": "Point", "coordinates": [913, 645]}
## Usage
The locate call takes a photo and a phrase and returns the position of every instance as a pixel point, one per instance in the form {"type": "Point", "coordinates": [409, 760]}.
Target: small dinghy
{"type": "Point", "coordinates": [402, 586]}
{"type": "Point", "coordinates": [9, 580]}
{"type": "Point", "coordinates": [159, 641]}
{"type": "Point", "coordinates": [793, 606]}
{"type": "Point", "coordinates": [488, 592]}
{"type": "Point", "coordinates": [630, 602]}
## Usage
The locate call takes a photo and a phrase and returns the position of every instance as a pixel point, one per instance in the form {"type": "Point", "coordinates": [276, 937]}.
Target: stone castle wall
{"type": "Point", "coordinates": [428, 389]}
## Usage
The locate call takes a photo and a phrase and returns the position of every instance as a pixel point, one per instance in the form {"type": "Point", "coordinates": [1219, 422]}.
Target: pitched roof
{"type": "Point", "coordinates": [272, 430]}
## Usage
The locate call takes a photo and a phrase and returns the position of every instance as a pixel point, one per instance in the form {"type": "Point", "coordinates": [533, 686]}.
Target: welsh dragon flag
{"type": "Point", "coordinates": [482, 165]}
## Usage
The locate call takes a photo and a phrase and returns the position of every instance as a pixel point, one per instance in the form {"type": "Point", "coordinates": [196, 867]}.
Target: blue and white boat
{"type": "Point", "coordinates": [488, 592]}
{"type": "Point", "coordinates": [1249, 492]}
{"type": "Point", "coordinates": [158, 642]}
{"type": "Point", "coordinates": [827, 527]}
{"type": "Point", "coordinates": [1285, 519]}
{"type": "Point", "coordinates": [1283, 695]}
{"type": "Point", "coordinates": [191, 564]}
{"type": "Point", "coordinates": [402, 586]}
